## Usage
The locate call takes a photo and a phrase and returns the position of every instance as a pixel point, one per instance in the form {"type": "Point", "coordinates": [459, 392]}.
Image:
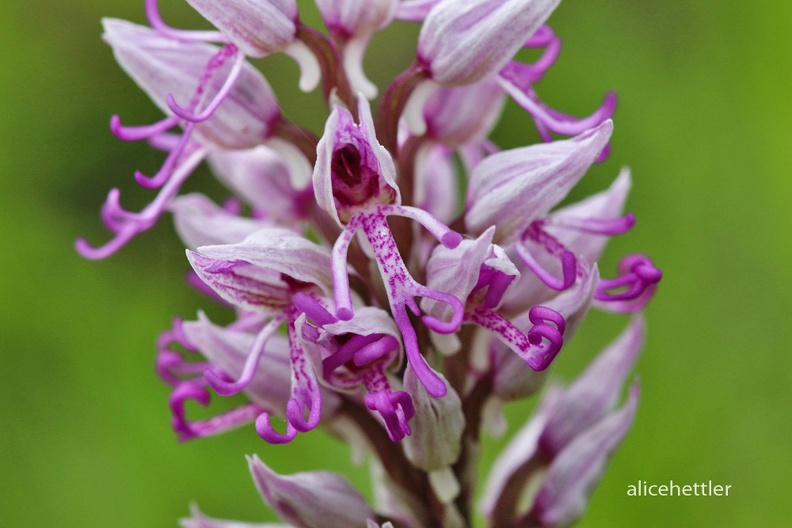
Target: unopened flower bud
{"type": "Point", "coordinates": [437, 427]}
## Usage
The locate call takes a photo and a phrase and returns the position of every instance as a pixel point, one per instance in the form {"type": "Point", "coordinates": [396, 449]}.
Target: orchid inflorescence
{"type": "Point", "coordinates": [369, 295]}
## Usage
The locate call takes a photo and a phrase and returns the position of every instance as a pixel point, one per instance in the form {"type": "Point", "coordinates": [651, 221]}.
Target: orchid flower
{"type": "Point", "coordinates": [354, 182]}
{"type": "Point", "coordinates": [466, 42]}
{"type": "Point", "coordinates": [161, 66]}
{"type": "Point", "coordinates": [262, 274]}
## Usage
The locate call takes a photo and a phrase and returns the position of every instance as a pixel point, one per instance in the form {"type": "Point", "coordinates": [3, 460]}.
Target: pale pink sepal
{"type": "Point", "coordinates": [595, 392]}
{"type": "Point", "coordinates": [436, 182]}
{"type": "Point", "coordinates": [262, 178]}
{"type": "Point", "coordinates": [199, 520]}
{"type": "Point", "coordinates": [316, 499]}
{"type": "Point", "coordinates": [263, 272]}
{"type": "Point", "coordinates": [455, 271]}
{"type": "Point", "coordinates": [415, 10]}
{"type": "Point", "coordinates": [457, 116]}
{"type": "Point", "coordinates": [201, 222]}
{"type": "Point", "coordinates": [257, 27]}
{"type": "Point", "coordinates": [353, 18]}
{"type": "Point", "coordinates": [282, 251]}
{"type": "Point", "coordinates": [512, 188]}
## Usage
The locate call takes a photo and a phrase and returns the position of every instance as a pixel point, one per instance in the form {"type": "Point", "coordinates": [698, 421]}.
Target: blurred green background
{"type": "Point", "coordinates": [703, 121]}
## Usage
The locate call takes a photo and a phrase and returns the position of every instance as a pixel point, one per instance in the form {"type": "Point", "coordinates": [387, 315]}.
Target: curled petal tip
{"type": "Point", "coordinates": [115, 125]}
{"type": "Point", "coordinates": [451, 240]}
{"type": "Point", "coordinates": [176, 109]}
{"type": "Point", "coordinates": [542, 314]}
{"type": "Point", "coordinates": [189, 391]}
{"type": "Point", "coordinates": [449, 327]}
{"type": "Point", "coordinates": [86, 250]}
{"type": "Point", "coordinates": [296, 417]}
{"type": "Point", "coordinates": [148, 182]}
{"type": "Point", "coordinates": [609, 103]}
{"type": "Point", "coordinates": [648, 273]}
{"type": "Point", "coordinates": [569, 265]}
{"type": "Point", "coordinates": [220, 384]}
{"type": "Point", "coordinates": [264, 430]}
{"type": "Point", "coordinates": [345, 314]}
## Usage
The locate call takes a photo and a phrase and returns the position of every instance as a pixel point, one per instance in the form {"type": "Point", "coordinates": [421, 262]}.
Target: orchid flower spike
{"type": "Point", "coordinates": [397, 280]}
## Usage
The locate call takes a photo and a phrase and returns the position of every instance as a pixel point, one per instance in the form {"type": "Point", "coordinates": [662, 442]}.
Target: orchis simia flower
{"type": "Point", "coordinates": [262, 274]}
{"type": "Point", "coordinates": [357, 353]}
{"type": "Point", "coordinates": [363, 295]}
{"type": "Point", "coordinates": [354, 181]}
{"type": "Point", "coordinates": [537, 178]}
{"type": "Point", "coordinates": [162, 66]}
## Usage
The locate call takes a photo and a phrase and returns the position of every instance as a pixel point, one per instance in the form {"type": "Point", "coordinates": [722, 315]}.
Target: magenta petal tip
{"type": "Point", "coordinates": [345, 314]}
{"type": "Point", "coordinates": [451, 240]}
